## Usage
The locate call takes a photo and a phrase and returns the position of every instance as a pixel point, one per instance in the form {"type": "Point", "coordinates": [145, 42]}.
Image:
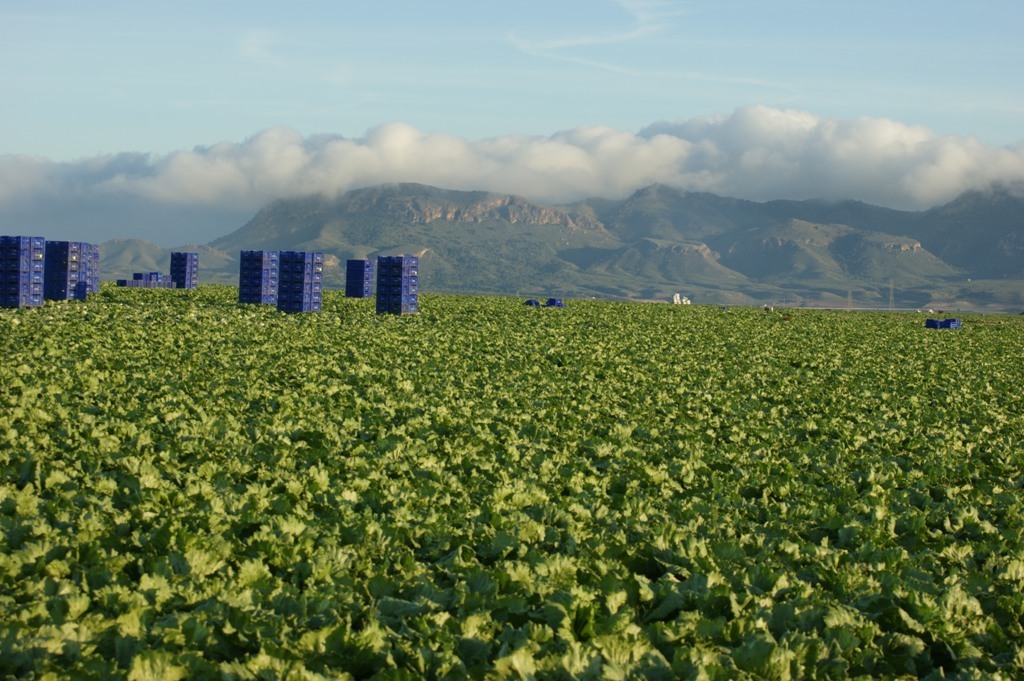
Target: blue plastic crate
{"type": "Point", "coordinates": [92, 268]}
{"type": "Point", "coordinates": [21, 300]}
{"type": "Point", "coordinates": [22, 290]}
{"type": "Point", "coordinates": [396, 290]}
{"type": "Point", "coordinates": [23, 243]}
{"type": "Point", "coordinates": [399, 282]}
{"type": "Point", "coordinates": [397, 279]}
{"type": "Point", "coordinates": [297, 287]}
{"type": "Point", "coordinates": [258, 298]}
{"type": "Point", "coordinates": [360, 268]}
{"type": "Point", "coordinates": [71, 271]}
{"type": "Point", "coordinates": [15, 295]}
{"type": "Point", "coordinates": [397, 309]}
{"type": "Point", "coordinates": [954, 324]}
{"type": "Point", "coordinates": [20, 277]}
{"type": "Point", "coordinates": [185, 269]}
{"type": "Point", "coordinates": [396, 300]}
{"type": "Point", "coordinates": [409, 300]}
{"type": "Point", "coordinates": [22, 271]}
{"type": "Point", "coordinates": [294, 258]}
{"type": "Point", "coordinates": [393, 263]}
{"type": "Point", "coordinates": [358, 289]}
{"type": "Point", "coordinates": [259, 260]}
{"type": "Point", "coordinates": [259, 277]}
{"type": "Point", "coordinates": [304, 306]}
{"type": "Point", "coordinates": [147, 283]}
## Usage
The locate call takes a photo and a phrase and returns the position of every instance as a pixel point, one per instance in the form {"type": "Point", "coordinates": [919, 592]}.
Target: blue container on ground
{"type": "Point", "coordinates": [300, 282]}
{"type": "Point", "coordinates": [71, 270]}
{"type": "Point", "coordinates": [147, 280]}
{"type": "Point", "coordinates": [397, 284]}
{"type": "Point", "coordinates": [258, 277]}
{"type": "Point", "coordinates": [92, 269]}
{"type": "Point", "coordinates": [185, 269]}
{"type": "Point", "coordinates": [22, 271]}
{"type": "Point", "coordinates": [554, 302]}
{"type": "Point", "coordinates": [955, 324]}
{"type": "Point", "coordinates": [359, 277]}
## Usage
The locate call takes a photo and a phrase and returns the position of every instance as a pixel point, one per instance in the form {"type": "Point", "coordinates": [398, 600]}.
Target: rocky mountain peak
{"type": "Point", "coordinates": [418, 204]}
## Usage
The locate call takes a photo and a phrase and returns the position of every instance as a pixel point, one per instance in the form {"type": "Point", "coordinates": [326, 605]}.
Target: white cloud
{"type": "Point", "coordinates": [23, 176]}
{"type": "Point", "coordinates": [757, 153]}
{"type": "Point", "coordinates": [762, 153]}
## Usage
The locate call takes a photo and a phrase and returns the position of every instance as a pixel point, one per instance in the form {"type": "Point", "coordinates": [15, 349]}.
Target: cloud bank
{"type": "Point", "coordinates": [756, 153]}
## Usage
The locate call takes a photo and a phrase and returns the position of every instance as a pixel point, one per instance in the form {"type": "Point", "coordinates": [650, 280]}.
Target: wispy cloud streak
{"type": "Point", "coordinates": [647, 18]}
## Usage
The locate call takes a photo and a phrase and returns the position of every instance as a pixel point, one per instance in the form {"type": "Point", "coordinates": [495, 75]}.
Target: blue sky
{"type": "Point", "coordinates": [85, 78]}
{"type": "Point", "coordinates": [224, 105]}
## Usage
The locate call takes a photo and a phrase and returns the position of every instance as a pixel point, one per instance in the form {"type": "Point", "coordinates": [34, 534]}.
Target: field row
{"type": "Point", "coordinates": [610, 490]}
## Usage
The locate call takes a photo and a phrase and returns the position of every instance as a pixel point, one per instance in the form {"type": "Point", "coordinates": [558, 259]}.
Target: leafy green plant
{"type": "Point", "coordinates": [189, 487]}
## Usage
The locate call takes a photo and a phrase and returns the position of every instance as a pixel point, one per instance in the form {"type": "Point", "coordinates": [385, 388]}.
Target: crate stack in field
{"type": "Point", "coordinates": [397, 284]}
{"type": "Point", "coordinates": [72, 270]}
{"type": "Point", "coordinates": [185, 269]}
{"type": "Point", "coordinates": [92, 269]}
{"type": "Point", "coordinates": [300, 281]}
{"type": "Point", "coordinates": [359, 279]}
{"type": "Point", "coordinates": [148, 280]}
{"type": "Point", "coordinates": [258, 277]}
{"type": "Point", "coordinates": [22, 271]}
{"type": "Point", "coordinates": [955, 324]}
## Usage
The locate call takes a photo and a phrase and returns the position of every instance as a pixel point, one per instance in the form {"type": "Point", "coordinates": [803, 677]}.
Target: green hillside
{"type": "Point", "coordinates": [654, 243]}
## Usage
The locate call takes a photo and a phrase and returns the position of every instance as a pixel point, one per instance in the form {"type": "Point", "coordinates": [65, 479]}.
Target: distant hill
{"type": "Point", "coordinates": [980, 232]}
{"type": "Point", "coordinates": [656, 242]}
{"type": "Point", "coordinates": [120, 258]}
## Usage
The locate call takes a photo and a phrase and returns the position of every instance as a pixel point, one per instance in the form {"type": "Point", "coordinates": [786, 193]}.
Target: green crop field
{"type": "Point", "coordinates": [190, 488]}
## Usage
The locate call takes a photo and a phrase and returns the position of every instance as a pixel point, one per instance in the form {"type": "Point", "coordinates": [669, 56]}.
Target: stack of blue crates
{"type": "Point", "coordinates": [258, 277]}
{"type": "Point", "coordinates": [22, 271]}
{"type": "Point", "coordinates": [91, 255]}
{"type": "Point", "coordinates": [71, 271]}
{"type": "Point", "coordinates": [147, 280]}
{"type": "Point", "coordinates": [398, 281]}
{"type": "Point", "coordinates": [953, 324]}
{"type": "Point", "coordinates": [301, 281]}
{"type": "Point", "coordinates": [185, 269]}
{"type": "Point", "coordinates": [554, 302]}
{"type": "Point", "coordinates": [359, 279]}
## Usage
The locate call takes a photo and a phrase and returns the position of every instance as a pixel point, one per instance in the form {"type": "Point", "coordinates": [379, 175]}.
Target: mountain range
{"type": "Point", "coordinates": [967, 254]}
